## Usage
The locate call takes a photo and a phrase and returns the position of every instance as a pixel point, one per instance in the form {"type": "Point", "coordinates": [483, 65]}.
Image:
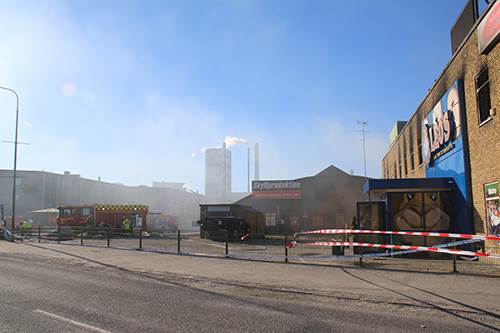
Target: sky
{"type": "Point", "coordinates": [134, 91]}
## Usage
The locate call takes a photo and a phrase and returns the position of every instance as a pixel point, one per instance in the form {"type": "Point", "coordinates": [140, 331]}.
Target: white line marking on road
{"type": "Point", "coordinates": [70, 321]}
{"type": "Point", "coordinates": [217, 245]}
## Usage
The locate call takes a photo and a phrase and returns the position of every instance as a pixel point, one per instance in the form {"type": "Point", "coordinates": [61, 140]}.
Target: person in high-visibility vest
{"type": "Point", "coordinates": [26, 227]}
{"type": "Point", "coordinates": [126, 225]}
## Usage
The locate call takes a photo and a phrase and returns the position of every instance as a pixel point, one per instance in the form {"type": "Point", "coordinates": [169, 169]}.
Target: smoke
{"type": "Point", "coordinates": [68, 89]}
{"type": "Point", "coordinates": [233, 141]}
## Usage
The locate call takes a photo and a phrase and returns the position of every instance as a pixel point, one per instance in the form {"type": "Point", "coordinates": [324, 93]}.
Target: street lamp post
{"type": "Point", "coordinates": [15, 160]}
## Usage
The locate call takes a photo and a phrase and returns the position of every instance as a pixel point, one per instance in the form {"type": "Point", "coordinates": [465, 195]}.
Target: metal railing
{"type": "Point", "coordinates": [274, 248]}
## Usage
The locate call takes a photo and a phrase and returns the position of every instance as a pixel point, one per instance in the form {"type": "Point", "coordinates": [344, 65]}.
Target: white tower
{"type": "Point", "coordinates": [217, 173]}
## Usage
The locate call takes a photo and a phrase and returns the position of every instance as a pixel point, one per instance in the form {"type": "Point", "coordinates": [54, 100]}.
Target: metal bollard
{"type": "Point", "coordinates": [286, 249]}
{"type": "Point", "coordinates": [108, 236]}
{"type": "Point", "coordinates": [140, 238]}
{"type": "Point", "coordinates": [81, 237]}
{"type": "Point", "coordinates": [227, 244]}
{"type": "Point", "coordinates": [178, 241]}
{"type": "Point", "coordinates": [39, 232]}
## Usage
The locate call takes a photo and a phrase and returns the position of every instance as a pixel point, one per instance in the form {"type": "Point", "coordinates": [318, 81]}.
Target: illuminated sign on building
{"type": "Point", "coordinates": [441, 127]}
{"type": "Point", "coordinates": [279, 189]}
{"type": "Point", "coordinates": [488, 31]}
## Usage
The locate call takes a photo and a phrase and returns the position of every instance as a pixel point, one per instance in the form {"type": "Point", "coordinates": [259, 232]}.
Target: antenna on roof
{"type": "Point", "coordinates": [363, 130]}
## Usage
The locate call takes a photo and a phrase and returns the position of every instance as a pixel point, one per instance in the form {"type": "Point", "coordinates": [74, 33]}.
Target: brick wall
{"type": "Point", "coordinates": [484, 140]}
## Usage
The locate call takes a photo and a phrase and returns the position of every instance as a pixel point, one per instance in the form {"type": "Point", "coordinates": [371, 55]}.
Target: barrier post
{"type": "Point", "coordinates": [227, 244]}
{"type": "Point", "coordinates": [454, 256]}
{"type": "Point", "coordinates": [140, 238]}
{"type": "Point", "coordinates": [81, 237]}
{"type": "Point", "coordinates": [58, 235]}
{"type": "Point", "coordinates": [286, 249]}
{"type": "Point", "coordinates": [178, 241]}
{"type": "Point", "coordinates": [39, 232]}
{"type": "Point", "coordinates": [361, 251]}
{"type": "Point", "coordinates": [108, 235]}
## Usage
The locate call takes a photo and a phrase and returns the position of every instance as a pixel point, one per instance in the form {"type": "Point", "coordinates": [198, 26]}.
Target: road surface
{"type": "Point", "coordinates": [44, 296]}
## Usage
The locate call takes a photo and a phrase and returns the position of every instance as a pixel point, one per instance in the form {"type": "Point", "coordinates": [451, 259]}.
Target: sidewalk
{"type": "Point", "coordinates": [452, 291]}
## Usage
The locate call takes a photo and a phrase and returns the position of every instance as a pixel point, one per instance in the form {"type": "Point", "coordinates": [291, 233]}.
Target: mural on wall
{"type": "Point", "coordinates": [420, 211]}
{"type": "Point", "coordinates": [492, 209]}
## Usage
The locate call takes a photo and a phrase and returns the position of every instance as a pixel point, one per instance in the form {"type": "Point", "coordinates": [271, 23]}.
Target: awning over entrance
{"type": "Point", "coordinates": [408, 185]}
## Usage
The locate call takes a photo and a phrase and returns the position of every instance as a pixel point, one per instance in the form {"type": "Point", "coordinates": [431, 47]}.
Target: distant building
{"type": "Point", "coordinates": [38, 190]}
{"type": "Point", "coordinates": [398, 127]}
{"type": "Point", "coordinates": [218, 173]}
{"type": "Point", "coordinates": [172, 185]}
{"type": "Point", "coordinates": [325, 200]}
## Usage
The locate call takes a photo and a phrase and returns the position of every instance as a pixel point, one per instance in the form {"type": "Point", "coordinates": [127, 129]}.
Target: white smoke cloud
{"type": "Point", "coordinates": [233, 141]}
{"type": "Point", "coordinates": [68, 89]}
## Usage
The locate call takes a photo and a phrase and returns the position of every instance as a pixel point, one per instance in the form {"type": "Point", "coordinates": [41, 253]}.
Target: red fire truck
{"type": "Point", "coordinates": [103, 215]}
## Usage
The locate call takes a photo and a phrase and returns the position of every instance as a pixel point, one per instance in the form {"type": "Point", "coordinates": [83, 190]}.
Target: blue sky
{"type": "Point", "coordinates": [134, 91]}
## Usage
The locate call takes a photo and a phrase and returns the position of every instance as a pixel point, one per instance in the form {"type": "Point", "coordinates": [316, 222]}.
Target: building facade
{"type": "Point", "coordinates": [325, 200]}
{"type": "Point", "coordinates": [455, 132]}
{"type": "Point", "coordinates": [218, 173]}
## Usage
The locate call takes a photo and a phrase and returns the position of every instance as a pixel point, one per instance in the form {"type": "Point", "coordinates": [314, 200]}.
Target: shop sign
{"type": "Point", "coordinates": [287, 189]}
{"type": "Point", "coordinates": [492, 208]}
{"type": "Point", "coordinates": [488, 31]}
{"type": "Point", "coordinates": [441, 126]}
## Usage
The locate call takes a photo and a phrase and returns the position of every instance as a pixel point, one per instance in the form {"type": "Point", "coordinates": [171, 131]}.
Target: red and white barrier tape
{"type": "Point", "coordinates": [383, 232]}
{"type": "Point", "coordinates": [396, 247]}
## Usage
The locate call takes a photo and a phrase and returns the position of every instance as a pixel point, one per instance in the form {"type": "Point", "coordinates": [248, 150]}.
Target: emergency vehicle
{"type": "Point", "coordinates": [103, 215]}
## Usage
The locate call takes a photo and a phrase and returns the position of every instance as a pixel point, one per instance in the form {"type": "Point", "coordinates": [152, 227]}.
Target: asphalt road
{"type": "Point", "coordinates": [59, 297]}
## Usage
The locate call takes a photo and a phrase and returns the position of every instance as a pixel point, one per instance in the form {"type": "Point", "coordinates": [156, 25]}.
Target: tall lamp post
{"type": "Point", "coordinates": [15, 160]}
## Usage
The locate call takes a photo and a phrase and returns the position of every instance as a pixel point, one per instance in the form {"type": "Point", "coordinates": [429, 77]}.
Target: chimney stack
{"type": "Point", "coordinates": [257, 167]}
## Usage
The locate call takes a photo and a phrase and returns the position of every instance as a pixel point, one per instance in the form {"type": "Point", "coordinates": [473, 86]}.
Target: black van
{"type": "Point", "coordinates": [216, 228]}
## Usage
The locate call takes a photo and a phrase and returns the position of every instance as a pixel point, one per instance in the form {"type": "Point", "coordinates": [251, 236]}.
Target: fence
{"type": "Point", "coordinates": [334, 249]}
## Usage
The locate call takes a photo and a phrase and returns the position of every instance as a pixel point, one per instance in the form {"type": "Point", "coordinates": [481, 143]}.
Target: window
{"type": "Point", "coordinates": [412, 157]}
{"type": "Point", "coordinates": [399, 175]}
{"type": "Point", "coordinates": [405, 156]}
{"type": "Point", "coordinates": [395, 170]}
{"type": "Point", "coordinates": [419, 139]}
{"type": "Point", "coordinates": [483, 95]}
{"type": "Point", "coordinates": [85, 211]}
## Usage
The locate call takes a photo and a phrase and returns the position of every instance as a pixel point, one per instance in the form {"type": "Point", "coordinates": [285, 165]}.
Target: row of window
{"type": "Point", "coordinates": [400, 166]}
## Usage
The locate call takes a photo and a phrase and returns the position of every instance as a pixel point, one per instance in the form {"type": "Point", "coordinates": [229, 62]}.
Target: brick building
{"type": "Point", "coordinates": [455, 132]}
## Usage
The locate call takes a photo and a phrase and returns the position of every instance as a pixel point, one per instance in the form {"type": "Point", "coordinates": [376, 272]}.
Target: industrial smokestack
{"type": "Point", "coordinates": [257, 167]}
{"type": "Point", "coordinates": [248, 170]}
{"type": "Point", "coordinates": [224, 170]}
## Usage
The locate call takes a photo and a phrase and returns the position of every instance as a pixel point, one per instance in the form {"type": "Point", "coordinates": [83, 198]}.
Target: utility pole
{"type": "Point", "coordinates": [363, 130]}
{"type": "Point", "coordinates": [13, 222]}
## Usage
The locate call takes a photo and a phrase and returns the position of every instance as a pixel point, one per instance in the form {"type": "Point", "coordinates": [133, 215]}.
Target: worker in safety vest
{"type": "Point", "coordinates": [126, 225]}
{"type": "Point", "coordinates": [26, 227]}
